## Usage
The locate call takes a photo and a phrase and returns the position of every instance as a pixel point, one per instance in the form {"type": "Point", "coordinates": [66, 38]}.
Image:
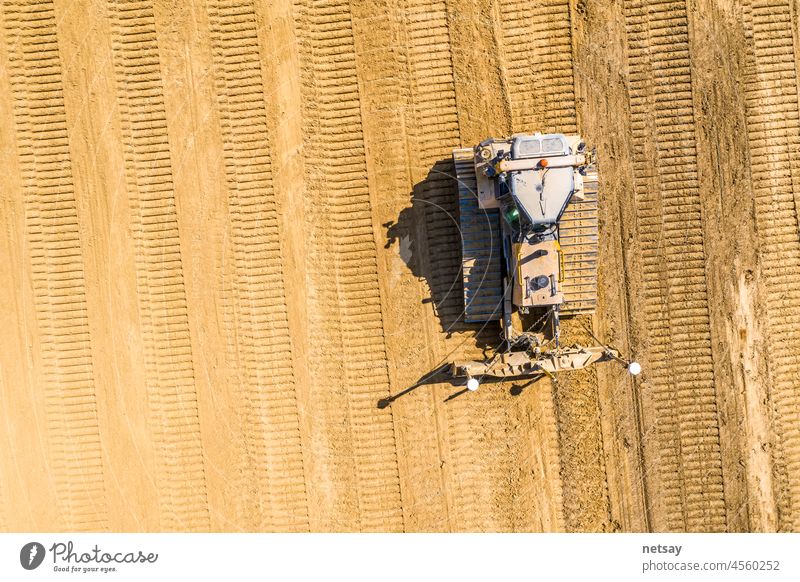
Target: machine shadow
{"type": "Point", "coordinates": [442, 375]}
{"type": "Point", "coordinates": [427, 236]}
{"type": "Point", "coordinates": [429, 242]}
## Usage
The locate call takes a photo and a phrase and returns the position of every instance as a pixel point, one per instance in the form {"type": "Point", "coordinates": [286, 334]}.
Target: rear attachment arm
{"type": "Point", "coordinates": [518, 364]}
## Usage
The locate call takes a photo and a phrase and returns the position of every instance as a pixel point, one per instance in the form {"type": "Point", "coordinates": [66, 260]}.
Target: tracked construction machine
{"type": "Point", "coordinates": [528, 215]}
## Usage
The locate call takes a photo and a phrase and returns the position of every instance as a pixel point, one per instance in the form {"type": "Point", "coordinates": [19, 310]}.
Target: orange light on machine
{"type": "Point", "coordinates": [543, 163]}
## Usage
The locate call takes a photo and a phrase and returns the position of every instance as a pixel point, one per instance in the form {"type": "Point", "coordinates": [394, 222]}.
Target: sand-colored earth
{"type": "Point", "coordinates": [229, 229]}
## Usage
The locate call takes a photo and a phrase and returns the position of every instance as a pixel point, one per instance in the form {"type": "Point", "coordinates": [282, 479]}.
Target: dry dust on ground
{"type": "Point", "coordinates": [229, 231]}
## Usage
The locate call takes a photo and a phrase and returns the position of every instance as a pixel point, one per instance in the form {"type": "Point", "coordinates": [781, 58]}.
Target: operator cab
{"type": "Point", "coordinates": [542, 192]}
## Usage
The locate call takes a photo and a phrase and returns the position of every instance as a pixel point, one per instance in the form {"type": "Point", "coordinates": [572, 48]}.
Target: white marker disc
{"type": "Point", "coordinates": [472, 384]}
{"type": "Point", "coordinates": [635, 368]}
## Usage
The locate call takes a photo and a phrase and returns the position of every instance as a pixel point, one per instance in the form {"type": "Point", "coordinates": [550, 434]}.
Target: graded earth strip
{"type": "Point", "coordinates": [773, 129]}
{"type": "Point", "coordinates": [53, 237]}
{"type": "Point", "coordinates": [162, 299]}
{"type": "Point", "coordinates": [684, 449]}
{"type": "Point", "coordinates": [348, 351]}
{"type": "Point", "coordinates": [273, 441]}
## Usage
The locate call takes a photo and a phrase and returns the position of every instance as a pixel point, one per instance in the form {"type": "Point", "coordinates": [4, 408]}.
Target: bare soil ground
{"type": "Point", "coordinates": [229, 231]}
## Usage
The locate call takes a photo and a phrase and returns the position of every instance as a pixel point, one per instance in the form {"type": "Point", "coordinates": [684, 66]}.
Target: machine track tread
{"type": "Point", "coordinates": [577, 233]}
{"type": "Point", "coordinates": [342, 252]}
{"type": "Point", "coordinates": [675, 297]}
{"type": "Point", "coordinates": [481, 247]}
{"type": "Point", "coordinates": [272, 428]}
{"type": "Point", "coordinates": [538, 61]}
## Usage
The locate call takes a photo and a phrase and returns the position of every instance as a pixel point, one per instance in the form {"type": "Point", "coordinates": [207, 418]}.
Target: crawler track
{"type": "Point", "coordinates": [578, 238]}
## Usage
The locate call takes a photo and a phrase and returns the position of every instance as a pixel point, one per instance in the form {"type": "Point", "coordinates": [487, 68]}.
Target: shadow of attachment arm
{"type": "Point", "coordinates": [524, 363]}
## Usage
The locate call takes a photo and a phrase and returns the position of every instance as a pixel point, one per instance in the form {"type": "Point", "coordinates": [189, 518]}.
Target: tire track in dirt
{"type": "Point", "coordinates": [273, 443]}
{"type": "Point", "coordinates": [53, 236]}
{"type": "Point", "coordinates": [162, 304]}
{"type": "Point", "coordinates": [680, 376]}
{"type": "Point", "coordinates": [348, 351]}
{"type": "Point", "coordinates": [536, 42]}
{"type": "Point", "coordinates": [718, 50]}
{"type": "Point", "coordinates": [773, 127]}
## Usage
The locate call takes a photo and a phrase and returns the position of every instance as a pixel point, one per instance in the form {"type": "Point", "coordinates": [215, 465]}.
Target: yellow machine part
{"type": "Point", "coordinates": [538, 267]}
{"type": "Point", "coordinates": [560, 262]}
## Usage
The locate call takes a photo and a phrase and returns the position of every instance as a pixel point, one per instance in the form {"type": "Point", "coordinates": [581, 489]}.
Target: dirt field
{"type": "Point", "coordinates": [229, 229]}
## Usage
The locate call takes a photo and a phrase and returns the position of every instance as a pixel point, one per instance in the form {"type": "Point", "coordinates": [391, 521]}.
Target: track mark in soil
{"type": "Point", "coordinates": [537, 49]}
{"type": "Point", "coordinates": [348, 346]}
{"type": "Point", "coordinates": [675, 299]}
{"type": "Point", "coordinates": [773, 129]}
{"type": "Point", "coordinates": [273, 444]}
{"type": "Point", "coordinates": [53, 238]}
{"type": "Point", "coordinates": [162, 299]}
